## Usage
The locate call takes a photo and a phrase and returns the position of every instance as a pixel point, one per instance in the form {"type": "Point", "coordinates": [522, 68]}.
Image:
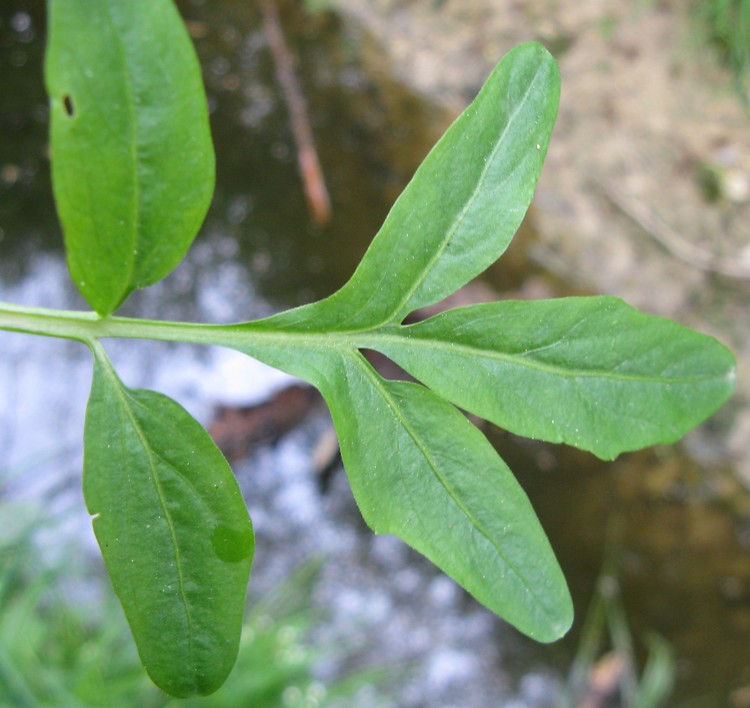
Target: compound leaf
{"type": "Point", "coordinates": [132, 158]}
{"type": "Point", "coordinates": [591, 372]}
{"type": "Point", "coordinates": [420, 470]}
{"type": "Point", "coordinates": [173, 529]}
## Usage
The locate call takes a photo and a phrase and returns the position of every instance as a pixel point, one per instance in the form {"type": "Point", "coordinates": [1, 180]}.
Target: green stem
{"type": "Point", "coordinates": [88, 327]}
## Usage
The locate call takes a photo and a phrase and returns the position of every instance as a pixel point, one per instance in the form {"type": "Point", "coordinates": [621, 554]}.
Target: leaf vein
{"type": "Point", "coordinates": [520, 360]}
{"type": "Point", "coordinates": [126, 399]}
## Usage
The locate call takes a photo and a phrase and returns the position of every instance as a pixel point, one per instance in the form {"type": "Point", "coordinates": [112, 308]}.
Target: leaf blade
{"type": "Point", "coordinates": [173, 530]}
{"type": "Point", "coordinates": [462, 207]}
{"type": "Point", "coordinates": [132, 158]}
{"type": "Point", "coordinates": [591, 372]}
{"type": "Point", "coordinates": [421, 471]}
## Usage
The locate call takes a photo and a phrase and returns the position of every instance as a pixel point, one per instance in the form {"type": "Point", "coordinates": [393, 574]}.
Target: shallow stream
{"type": "Point", "coordinates": [683, 553]}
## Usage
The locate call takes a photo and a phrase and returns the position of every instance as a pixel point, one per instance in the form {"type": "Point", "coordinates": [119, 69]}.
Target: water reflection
{"type": "Point", "coordinates": [685, 558]}
{"type": "Point", "coordinates": [27, 220]}
{"type": "Point", "coordinates": [370, 135]}
{"type": "Point", "coordinates": [682, 556]}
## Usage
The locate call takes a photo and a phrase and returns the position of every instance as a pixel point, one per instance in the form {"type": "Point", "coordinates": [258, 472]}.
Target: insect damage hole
{"type": "Point", "coordinates": [68, 105]}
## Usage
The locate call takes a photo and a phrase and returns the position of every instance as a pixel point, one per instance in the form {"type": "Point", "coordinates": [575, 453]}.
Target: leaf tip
{"type": "Point", "coordinates": [558, 628]}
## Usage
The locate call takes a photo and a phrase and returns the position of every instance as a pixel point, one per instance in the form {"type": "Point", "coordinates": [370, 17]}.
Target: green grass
{"type": "Point", "coordinates": [725, 25]}
{"type": "Point", "coordinates": [606, 657]}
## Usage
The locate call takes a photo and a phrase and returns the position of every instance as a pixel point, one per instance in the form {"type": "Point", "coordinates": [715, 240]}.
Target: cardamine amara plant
{"type": "Point", "coordinates": [133, 175]}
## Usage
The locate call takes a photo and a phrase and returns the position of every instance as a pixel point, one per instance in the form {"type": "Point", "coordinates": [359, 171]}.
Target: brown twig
{"type": "Point", "coordinates": [679, 247]}
{"type": "Point", "coordinates": [310, 170]}
{"type": "Point", "coordinates": [634, 206]}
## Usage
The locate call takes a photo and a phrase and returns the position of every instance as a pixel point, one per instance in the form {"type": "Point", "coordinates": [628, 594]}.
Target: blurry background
{"type": "Point", "coordinates": [645, 195]}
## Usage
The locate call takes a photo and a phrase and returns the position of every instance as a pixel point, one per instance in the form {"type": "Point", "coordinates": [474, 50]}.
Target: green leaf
{"type": "Point", "coordinates": [420, 470]}
{"type": "Point", "coordinates": [132, 159]}
{"type": "Point", "coordinates": [461, 209]}
{"type": "Point", "coordinates": [173, 529]}
{"type": "Point", "coordinates": [592, 372]}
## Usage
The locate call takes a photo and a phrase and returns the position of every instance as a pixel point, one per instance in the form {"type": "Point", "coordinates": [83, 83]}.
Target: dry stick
{"type": "Point", "coordinates": [669, 239]}
{"type": "Point", "coordinates": [636, 210]}
{"type": "Point", "coordinates": [310, 171]}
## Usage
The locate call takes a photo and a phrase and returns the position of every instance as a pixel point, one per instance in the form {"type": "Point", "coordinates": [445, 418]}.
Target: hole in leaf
{"type": "Point", "coordinates": [68, 105]}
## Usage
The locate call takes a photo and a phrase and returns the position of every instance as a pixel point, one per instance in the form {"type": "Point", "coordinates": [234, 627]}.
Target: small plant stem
{"type": "Point", "coordinates": [87, 327]}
